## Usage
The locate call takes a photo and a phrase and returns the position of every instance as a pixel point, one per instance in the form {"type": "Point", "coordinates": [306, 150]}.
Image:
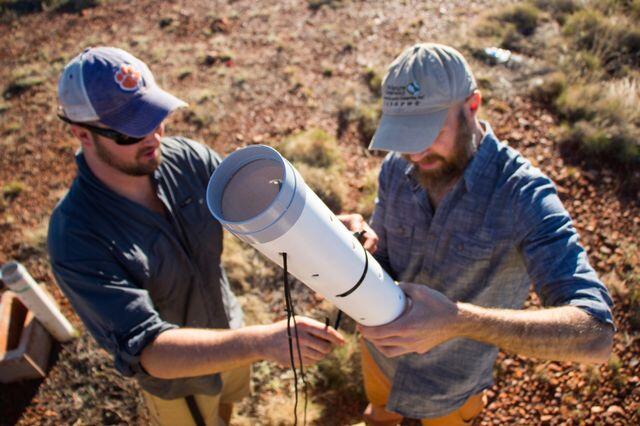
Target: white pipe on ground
{"type": "Point", "coordinates": [16, 277]}
{"type": "Point", "coordinates": [257, 195]}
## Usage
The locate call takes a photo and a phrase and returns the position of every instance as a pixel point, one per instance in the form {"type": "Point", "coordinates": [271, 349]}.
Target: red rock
{"type": "Point", "coordinates": [616, 409]}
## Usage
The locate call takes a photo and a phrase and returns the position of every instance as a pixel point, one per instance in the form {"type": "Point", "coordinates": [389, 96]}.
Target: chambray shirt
{"type": "Point", "coordinates": [501, 228]}
{"type": "Point", "coordinates": [131, 273]}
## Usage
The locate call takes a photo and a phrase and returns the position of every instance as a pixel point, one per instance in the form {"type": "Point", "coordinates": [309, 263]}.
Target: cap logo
{"type": "Point", "coordinates": [413, 88]}
{"type": "Point", "coordinates": [128, 78]}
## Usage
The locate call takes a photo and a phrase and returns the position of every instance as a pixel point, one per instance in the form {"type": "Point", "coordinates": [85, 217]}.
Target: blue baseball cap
{"type": "Point", "coordinates": [113, 87]}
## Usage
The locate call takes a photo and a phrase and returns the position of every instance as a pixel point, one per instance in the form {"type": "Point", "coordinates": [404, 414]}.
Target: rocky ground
{"type": "Point", "coordinates": [256, 73]}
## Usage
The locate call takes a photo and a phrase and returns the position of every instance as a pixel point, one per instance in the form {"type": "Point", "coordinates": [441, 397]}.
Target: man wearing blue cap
{"type": "Point", "coordinates": [137, 253]}
{"type": "Point", "coordinates": [467, 224]}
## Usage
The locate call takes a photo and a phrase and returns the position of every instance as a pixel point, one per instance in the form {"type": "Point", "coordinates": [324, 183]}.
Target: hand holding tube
{"type": "Point", "coordinates": [429, 319]}
{"type": "Point", "coordinates": [356, 223]}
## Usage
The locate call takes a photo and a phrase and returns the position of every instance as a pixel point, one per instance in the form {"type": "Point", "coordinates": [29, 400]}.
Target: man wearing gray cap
{"type": "Point", "coordinates": [466, 223]}
{"type": "Point", "coordinates": [137, 253]}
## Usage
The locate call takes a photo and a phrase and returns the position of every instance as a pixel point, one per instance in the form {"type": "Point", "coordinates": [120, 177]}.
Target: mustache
{"type": "Point", "coordinates": [426, 159]}
{"type": "Point", "coordinates": [430, 158]}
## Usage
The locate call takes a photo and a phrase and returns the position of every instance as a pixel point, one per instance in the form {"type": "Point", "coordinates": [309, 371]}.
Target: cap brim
{"type": "Point", "coordinates": [144, 114]}
{"type": "Point", "coordinates": [408, 133]}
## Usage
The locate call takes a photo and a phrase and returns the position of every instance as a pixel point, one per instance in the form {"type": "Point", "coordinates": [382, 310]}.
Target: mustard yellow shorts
{"type": "Point", "coordinates": [377, 388]}
{"type": "Point", "coordinates": [175, 412]}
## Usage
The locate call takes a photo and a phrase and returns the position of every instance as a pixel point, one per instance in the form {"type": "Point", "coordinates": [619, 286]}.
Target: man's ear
{"type": "Point", "coordinates": [472, 103]}
{"type": "Point", "coordinates": [83, 135]}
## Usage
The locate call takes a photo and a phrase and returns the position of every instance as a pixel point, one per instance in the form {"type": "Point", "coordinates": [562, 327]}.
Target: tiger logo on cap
{"type": "Point", "coordinates": [128, 78]}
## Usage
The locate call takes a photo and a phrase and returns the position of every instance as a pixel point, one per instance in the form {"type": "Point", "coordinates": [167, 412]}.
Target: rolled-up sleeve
{"type": "Point", "coordinates": [554, 258]}
{"type": "Point", "coordinates": [119, 315]}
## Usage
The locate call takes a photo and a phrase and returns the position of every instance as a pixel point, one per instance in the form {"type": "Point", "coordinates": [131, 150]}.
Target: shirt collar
{"type": "Point", "coordinates": [478, 166]}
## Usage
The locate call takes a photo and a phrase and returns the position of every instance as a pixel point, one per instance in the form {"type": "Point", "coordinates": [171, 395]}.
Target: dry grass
{"type": "Point", "coordinates": [277, 410]}
{"type": "Point", "coordinates": [596, 54]}
{"type": "Point", "coordinates": [12, 189]}
{"type": "Point", "coordinates": [368, 191]}
{"type": "Point", "coordinates": [523, 16]}
{"type": "Point", "coordinates": [326, 183]}
{"type": "Point", "coordinates": [549, 88]}
{"type": "Point", "coordinates": [614, 40]}
{"type": "Point", "coordinates": [365, 116]}
{"type": "Point", "coordinates": [605, 118]}
{"type": "Point", "coordinates": [373, 79]}
{"type": "Point", "coordinates": [22, 83]}
{"type": "Point", "coordinates": [338, 378]}
{"type": "Point", "coordinates": [559, 9]}
{"type": "Point", "coordinates": [246, 268]}
{"type": "Point", "coordinates": [314, 147]}
{"type": "Point", "coordinates": [316, 156]}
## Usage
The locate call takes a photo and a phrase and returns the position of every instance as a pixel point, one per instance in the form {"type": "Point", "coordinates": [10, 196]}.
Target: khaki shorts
{"type": "Point", "coordinates": [235, 386]}
{"type": "Point", "coordinates": [377, 388]}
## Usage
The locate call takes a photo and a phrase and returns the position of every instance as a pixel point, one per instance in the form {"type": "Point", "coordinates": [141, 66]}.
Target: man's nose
{"type": "Point", "coordinates": [154, 137]}
{"type": "Point", "coordinates": [417, 156]}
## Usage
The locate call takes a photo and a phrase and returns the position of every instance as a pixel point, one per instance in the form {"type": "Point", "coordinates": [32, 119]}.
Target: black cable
{"type": "Point", "coordinates": [291, 314]}
{"type": "Point", "coordinates": [338, 318]}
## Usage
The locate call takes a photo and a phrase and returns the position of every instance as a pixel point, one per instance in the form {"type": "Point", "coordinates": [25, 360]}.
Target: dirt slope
{"type": "Point", "coordinates": [256, 72]}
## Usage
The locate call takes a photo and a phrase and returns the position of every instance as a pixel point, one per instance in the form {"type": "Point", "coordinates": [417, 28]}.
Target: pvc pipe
{"type": "Point", "coordinates": [16, 277]}
{"type": "Point", "coordinates": [257, 195]}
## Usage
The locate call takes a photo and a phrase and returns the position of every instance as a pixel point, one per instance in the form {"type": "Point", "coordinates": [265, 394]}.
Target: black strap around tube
{"type": "Point", "coordinates": [364, 274]}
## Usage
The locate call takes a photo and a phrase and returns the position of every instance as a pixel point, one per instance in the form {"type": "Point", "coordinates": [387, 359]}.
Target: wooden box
{"type": "Point", "coordinates": [24, 343]}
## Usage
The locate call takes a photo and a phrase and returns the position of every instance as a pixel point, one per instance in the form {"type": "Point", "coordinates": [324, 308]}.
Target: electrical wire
{"type": "Point", "coordinates": [291, 315]}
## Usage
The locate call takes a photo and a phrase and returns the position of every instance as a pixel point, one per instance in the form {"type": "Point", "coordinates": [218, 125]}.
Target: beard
{"type": "Point", "coordinates": [453, 167]}
{"type": "Point", "coordinates": [135, 168]}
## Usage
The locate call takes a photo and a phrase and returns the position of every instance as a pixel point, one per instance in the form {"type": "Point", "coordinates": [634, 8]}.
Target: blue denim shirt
{"type": "Point", "coordinates": [131, 273]}
{"type": "Point", "coordinates": [501, 228]}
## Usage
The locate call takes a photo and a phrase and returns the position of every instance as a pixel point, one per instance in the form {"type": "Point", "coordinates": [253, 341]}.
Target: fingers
{"type": "Point", "coordinates": [316, 341]}
{"type": "Point", "coordinates": [319, 330]}
{"type": "Point", "coordinates": [356, 223]}
{"type": "Point", "coordinates": [394, 346]}
{"type": "Point", "coordinates": [312, 349]}
{"type": "Point", "coordinates": [311, 356]}
{"type": "Point", "coordinates": [350, 221]}
{"type": "Point", "coordinates": [371, 238]}
{"type": "Point", "coordinates": [379, 332]}
{"type": "Point", "coordinates": [396, 328]}
{"type": "Point", "coordinates": [317, 344]}
{"type": "Point", "coordinates": [393, 341]}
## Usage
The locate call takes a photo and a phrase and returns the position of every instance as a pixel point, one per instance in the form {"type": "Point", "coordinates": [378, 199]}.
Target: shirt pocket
{"type": "Point", "coordinates": [466, 266]}
{"type": "Point", "coordinates": [471, 248]}
{"type": "Point", "coordinates": [204, 230]}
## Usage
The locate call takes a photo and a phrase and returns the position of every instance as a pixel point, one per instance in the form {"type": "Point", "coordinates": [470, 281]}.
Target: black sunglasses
{"type": "Point", "coordinates": [114, 135]}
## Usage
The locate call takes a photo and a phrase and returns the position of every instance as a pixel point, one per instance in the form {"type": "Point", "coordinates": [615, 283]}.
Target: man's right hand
{"type": "Point", "coordinates": [316, 341]}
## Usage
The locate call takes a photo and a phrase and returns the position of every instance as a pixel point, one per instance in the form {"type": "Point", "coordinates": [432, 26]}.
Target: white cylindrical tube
{"type": "Point", "coordinates": [261, 198]}
{"type": "Point", "coordinates": [16, 277]}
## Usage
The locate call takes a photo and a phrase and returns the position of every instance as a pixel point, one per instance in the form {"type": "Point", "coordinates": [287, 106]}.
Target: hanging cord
{"type": "Point", "coordinates": [291, 314]}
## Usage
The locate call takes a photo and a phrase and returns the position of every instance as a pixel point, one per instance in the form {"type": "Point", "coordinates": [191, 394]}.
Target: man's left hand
{"type": "Point", "coordinates": [429, 320]}
{"type": "Point", "coordinates": [356, 223]}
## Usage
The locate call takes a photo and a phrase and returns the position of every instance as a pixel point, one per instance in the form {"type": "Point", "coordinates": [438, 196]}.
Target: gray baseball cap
{"type": "Point", "coordinates": [420, 86]}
